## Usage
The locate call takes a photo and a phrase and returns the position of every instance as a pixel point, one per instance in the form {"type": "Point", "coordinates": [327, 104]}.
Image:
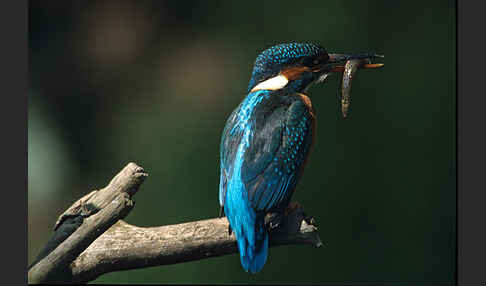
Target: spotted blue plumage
{"type": "Point", "coordinates": [269, 62]}
{"type": "Point", "coordinates": [261, 161]}
{"type": "Point", "coordinates": [264, 146]}
{"type": "Point", "coordinates": [266, 142]}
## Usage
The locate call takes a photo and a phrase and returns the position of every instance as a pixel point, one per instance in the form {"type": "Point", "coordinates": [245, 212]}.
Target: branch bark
{"type": "Point", "coordinates": [84, 256]}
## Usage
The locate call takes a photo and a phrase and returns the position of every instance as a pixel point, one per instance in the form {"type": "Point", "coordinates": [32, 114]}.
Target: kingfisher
{"type": "Point", "coordinates": [266, 142]}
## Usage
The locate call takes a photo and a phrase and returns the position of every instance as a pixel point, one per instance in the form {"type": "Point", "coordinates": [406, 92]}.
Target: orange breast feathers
{"type": "Point", "coordinates": [307, 103]}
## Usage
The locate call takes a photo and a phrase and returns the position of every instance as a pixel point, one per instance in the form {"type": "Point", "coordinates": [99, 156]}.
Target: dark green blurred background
{"type": "Point", "coordinates": [153, 83]}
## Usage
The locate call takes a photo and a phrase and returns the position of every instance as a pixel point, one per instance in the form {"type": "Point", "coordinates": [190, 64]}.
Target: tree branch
{"type": "Point", "coordinates": [97, 212]}
{"type": "Point", "coordinates": [124, 246]}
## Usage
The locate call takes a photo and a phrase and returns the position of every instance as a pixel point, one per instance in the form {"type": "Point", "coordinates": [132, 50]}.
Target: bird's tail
{"type": "Point", "coordinates": [253, 246]}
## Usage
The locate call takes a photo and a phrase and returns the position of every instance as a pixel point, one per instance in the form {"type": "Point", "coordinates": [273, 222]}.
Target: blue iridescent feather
{"type": "Point", "coordinates": [267, 139]}
{"type": "Point", "coordinates": [268, 63]}
{"type": "Point", "coordinates": [264, 146]}
{"type": "Point", "coordinates": [261, 163]}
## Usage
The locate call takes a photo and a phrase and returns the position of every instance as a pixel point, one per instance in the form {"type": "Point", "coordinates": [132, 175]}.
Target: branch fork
{"type": "Point", "coordinates": [91, 238]}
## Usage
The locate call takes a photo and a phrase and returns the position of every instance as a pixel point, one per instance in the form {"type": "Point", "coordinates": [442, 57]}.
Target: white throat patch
{"type": "Point", "coordinates": [274, 83]}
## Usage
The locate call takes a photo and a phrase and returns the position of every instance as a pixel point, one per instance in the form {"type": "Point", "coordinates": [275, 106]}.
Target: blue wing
{"type": "Point", "coordinates": [279, 147]}
{"type": "Point", "coordinates": [264, 146]}
{"type": "Point", "coordinates": [282, 134]}
{"type": "Point", "coordinates": [229, 145]}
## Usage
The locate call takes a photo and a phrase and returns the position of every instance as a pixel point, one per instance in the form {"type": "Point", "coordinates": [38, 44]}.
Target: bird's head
{"type": "Point", "coordinates": [294, 66]}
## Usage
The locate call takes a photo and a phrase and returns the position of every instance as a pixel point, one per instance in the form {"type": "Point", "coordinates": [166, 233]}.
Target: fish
{"type": "Point", "coordinates": [350, 69]}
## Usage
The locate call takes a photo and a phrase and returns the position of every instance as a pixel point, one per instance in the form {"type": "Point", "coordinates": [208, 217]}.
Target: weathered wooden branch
{"type": "Point", "coordinates": [103, 243]}
{"type": "Point", "coordinates": [97, 211]}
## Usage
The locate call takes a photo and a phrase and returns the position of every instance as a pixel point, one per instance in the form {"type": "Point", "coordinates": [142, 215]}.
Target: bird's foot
{"type": "Point", "coordinates": [273, 220]}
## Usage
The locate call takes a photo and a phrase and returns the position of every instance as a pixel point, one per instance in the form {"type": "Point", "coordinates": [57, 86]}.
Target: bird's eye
{"type": "Point", "coordinates": [315, 62]}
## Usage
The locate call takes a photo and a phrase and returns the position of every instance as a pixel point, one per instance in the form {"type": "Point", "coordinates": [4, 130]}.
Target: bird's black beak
{"type": "Point", "coordinates": [337, 61]}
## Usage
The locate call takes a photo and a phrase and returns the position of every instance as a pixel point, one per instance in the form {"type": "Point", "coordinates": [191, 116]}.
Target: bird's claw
{"type": "Point", "coordinates": [273, 220]}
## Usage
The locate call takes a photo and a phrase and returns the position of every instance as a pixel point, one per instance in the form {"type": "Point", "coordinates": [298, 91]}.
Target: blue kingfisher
{"type": "Point", "coordinates": [267, 139]}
